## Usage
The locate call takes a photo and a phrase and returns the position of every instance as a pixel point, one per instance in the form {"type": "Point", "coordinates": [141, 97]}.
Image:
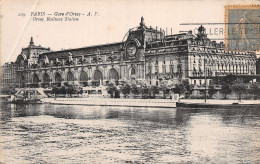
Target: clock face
{"type": "Point", "coordinates": [131, 49]}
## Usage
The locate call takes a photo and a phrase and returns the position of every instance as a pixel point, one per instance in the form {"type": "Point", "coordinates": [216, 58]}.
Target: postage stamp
{"type": "Point", "coordinates": [242, 27]}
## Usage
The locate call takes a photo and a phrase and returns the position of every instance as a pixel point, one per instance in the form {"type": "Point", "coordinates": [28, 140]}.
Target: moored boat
{"type": "Point", "coordinates": [159, 103]}
{"type": "Point", "coordinates": [98, 96]}
{"type": "Point", "coordinates": [221, 104]}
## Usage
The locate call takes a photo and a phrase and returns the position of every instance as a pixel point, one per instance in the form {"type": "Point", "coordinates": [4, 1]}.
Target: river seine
{"type": "Point", "coordinates": [92, 134]}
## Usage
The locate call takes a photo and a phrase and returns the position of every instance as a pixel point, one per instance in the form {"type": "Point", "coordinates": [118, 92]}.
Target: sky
{"type": "Point", "coordinates": [112, 21]}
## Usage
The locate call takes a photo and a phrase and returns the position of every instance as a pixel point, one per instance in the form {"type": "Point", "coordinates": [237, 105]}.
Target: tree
{"type": "Point", "coordinates": [211, 91]}
{"type": "Point", "coordinates": [62, 90]}
{"type": "Point", "coordinates": [144, 90]}
{"type": "Point", "coordinates": [183, 88]}
{"type": "Point", "coordinates": [225, 89]}
{"type": "Point", "coordinates": [179, 89]}
{"type": "Point", "coordinates": [255, 90]}
{"type": "Point", "coordinates": [153, 90]}
{"type": "Point", "coordinates": [111, 88]}
{"type": "Point", "coordinates": [229, 79]}
{"type": "Point", "coordinates": [164, 88]}
{"type": "Point", "coordinates": [187, 88]}
{"type": "Point", "coordinates": [125, 89]}
{"type": "Point", "coordinates": [70, 89]}
{"type": "Point", "coordinates": [239, 89]}
{"type": "Point", "coordinates": [55, 90]}
{"type": "Point", "coordinates": [134, 89]}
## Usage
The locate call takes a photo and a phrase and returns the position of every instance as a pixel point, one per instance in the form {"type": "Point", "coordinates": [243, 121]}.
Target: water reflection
{"type": "Point", "coordinates": [92, 134]}
{"type": "Point", "coordinates": [165, 116]}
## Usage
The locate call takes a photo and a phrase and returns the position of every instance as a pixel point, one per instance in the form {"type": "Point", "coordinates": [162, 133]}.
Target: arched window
{"type": "Point", "coordinates": [58, 78]}
{"type": "Point", "coordinates": [70, 76]}
{"type": "Point", "coordinates": [98, 75]}
{"type": "Point", "coordinates": [46, 78]}
{"type": "Point", "coordinates": [132, 71]}
{"type": "Point", "coordinates": [36, 79]}
{"type": "Point", "coordinates": [83, 76]}
{"type": "Point", "coordinates": [113, 74]}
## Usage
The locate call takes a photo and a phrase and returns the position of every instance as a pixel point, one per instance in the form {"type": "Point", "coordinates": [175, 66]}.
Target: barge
{"type": "Point", "coordinates": [97, 96]}
{"type": "Point", "coordinates": [220, 104]}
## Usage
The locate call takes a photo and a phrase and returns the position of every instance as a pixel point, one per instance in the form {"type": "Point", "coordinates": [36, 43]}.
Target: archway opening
{"type": "Point", "coordinates": [98, 76]}
{"type": "Point", "coordinates": [45, 80]}
{"type": "Point", "coordinates": [113, 74]}
{"type": "Point", "coordinates": [70, 76]}
{"type": "Point", "coordinates": [83, 78]}
{"type": "Point", "coordinates": [35, 81]}
{"type": "Point", "coordinates": [58, 79]}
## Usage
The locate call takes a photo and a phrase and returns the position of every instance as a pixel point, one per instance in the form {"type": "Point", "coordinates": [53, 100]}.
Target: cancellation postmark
{"type": "Point", "coordinates": [242, 27]}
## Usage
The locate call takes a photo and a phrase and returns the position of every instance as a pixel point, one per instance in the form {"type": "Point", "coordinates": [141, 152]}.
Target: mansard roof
{"type": "Point", "coordinates": [90, 50]}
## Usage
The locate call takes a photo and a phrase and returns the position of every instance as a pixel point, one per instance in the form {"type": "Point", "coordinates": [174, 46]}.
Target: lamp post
{"type": "Point", "coordinates": [205, 70]}
{"type": "Point", "coordinates": [205, 74]}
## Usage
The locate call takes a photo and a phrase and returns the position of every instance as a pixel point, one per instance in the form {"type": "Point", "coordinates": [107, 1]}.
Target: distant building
{"type": "Point", "coordinates": [8, 77]}
{"type": "Point", "coordinates": [147, 56]}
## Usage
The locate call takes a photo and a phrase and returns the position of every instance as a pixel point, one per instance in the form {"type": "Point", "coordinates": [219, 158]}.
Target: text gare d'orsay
{"type": "Point", "coordinates": [60, 16]}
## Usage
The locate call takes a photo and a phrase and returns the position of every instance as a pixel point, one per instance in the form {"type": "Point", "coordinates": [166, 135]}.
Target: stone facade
{"type": "Point", "coordinates": [147, 56]}
{"type": "Point", "coordinates": [8, 76]}
{"type": "Point", "coordinates": [28, 60]}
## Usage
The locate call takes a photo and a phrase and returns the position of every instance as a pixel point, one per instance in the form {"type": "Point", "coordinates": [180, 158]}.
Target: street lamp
{"type": "Point", "coordinates": [205, 74]}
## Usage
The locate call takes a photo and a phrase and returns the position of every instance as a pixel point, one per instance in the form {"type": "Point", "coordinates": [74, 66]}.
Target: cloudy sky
{"type": "Point", "coordinates": [112, 21]}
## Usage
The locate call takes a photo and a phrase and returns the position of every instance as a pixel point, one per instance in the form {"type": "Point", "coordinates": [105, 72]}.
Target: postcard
{"type": "Point", "coordinates": [129, 81]}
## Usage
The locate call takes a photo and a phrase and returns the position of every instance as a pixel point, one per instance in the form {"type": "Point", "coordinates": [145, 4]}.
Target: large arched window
{"type": "Point", "coordinates": [58, 78]}
{"type": "Point", "coordinates": [21, 60]}
{"type": "Point", "coordinates": [46, 78]}
{"type": "Point", "coordinates": [113, 74]}
{"type": "Point", "coordinates": [70, 76]}
{"type": "Point", "coordinates": [98, 75]}
{"type": "Point", "coordinates": [83, 76]}
{"type": "Point", "coordinates": [36, 79]}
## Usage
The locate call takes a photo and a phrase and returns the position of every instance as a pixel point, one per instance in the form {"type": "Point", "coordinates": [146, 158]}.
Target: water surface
{"type": "Point", "coordinates": [92, 134]}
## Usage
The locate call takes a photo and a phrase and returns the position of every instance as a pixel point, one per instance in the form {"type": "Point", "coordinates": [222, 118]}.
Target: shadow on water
{"type": "Point", "coordinates": [9, 111]}
{"type": "Point", "coordinates": [228, 115]}
{"type": "Point", "coordinates": [156, 115]}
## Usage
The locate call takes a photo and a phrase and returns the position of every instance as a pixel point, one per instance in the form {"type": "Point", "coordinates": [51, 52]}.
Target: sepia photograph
{"type": "Point", "coordinates": [129, 81]}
